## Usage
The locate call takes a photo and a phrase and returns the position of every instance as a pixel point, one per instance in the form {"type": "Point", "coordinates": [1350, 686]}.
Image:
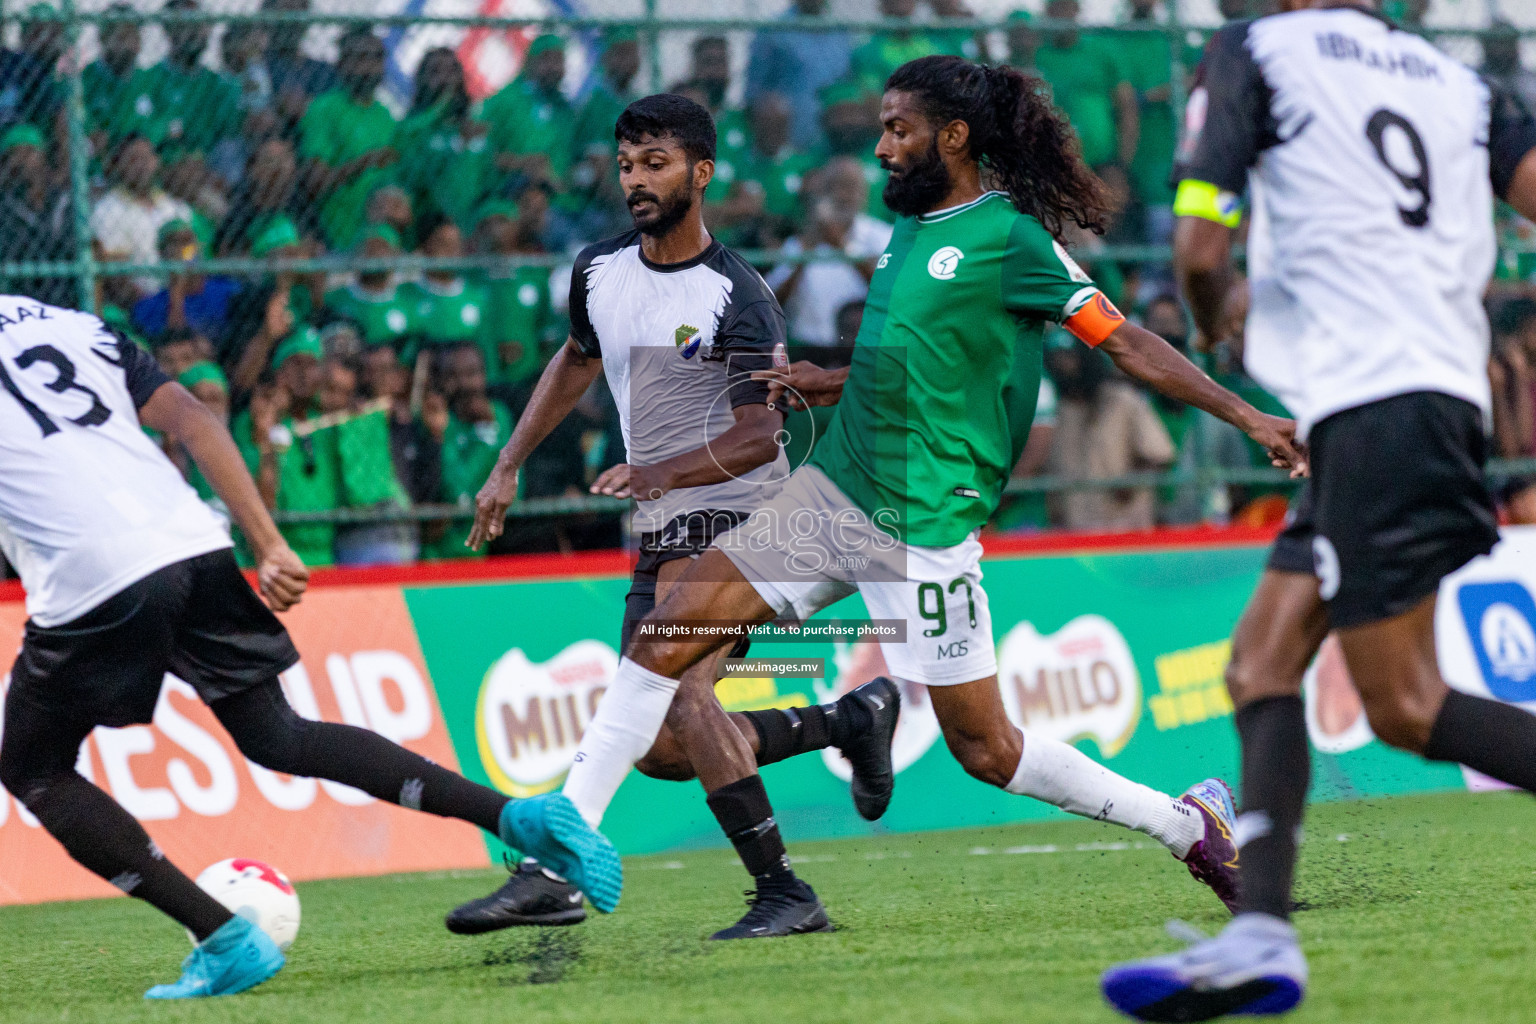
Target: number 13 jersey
{"type": "Point", "coordinates": [1372, 161]}
{"type": "Point", "coordinates": [88, 503]}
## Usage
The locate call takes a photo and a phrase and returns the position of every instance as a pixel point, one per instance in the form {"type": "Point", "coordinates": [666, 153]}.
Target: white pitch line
{"type": "Point", "coordinates": [985, 851]}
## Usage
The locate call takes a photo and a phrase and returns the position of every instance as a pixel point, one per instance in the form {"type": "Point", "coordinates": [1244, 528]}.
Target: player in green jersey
{"type": "Point", "coordinates": [932, 415]}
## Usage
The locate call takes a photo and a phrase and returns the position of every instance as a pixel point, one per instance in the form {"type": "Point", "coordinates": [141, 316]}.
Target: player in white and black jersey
{"type": "Point", "coordinates": [679, 324]}
{"type": "Point", "coordinates": [129, 575]}
{"type": "Point", "coordinates": [1372, 161]}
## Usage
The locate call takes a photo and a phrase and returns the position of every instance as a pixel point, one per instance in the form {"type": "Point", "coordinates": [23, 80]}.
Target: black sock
{"type": "Point", "coordinates": [746, 817]}
{"type": "Point", "coordinates": [783, 734]}
{"type": "Point", "coordinates": [1276, 771]}
{"type": "Point", "coordinates": [103, 837]}
{"type": "Point", "coordinates": [1496, 739]}
{"type": "Point", "coordinates": [271, 733]}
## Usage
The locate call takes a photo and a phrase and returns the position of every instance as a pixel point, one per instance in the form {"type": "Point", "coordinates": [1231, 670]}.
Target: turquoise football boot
{"type": "Point", "coordinates": [236, 957]}
{"type": "Point", "coordinates": [550, 829]}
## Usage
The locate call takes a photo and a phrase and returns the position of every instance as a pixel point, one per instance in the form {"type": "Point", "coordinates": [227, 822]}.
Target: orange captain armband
{"type": "Point", "coordinates": [1094, 320]}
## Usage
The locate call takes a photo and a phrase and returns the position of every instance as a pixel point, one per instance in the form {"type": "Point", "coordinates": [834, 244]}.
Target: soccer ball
{"type": "Point", "coordinates": [257, 892]}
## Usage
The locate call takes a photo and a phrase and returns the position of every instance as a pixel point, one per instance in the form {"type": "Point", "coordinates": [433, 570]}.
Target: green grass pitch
{"type": "Point", "coordinates": [1416, 910]}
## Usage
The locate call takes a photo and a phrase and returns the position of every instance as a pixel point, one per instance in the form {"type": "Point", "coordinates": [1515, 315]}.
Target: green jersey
{"type": "Point", "coordinates": [520, 316]}
{"type": "Point", "coordinates": [525, 119]}
{"type": "Point", "coordinates": [194, 109]}
{"type": "Point", "coordinates": [946, 368]}
{"type": "Point", "coordinates": [872, 63]}
{"type": "Point", "coordinates": [444, 315]}
{"type": "Point", "coordinates": [733, 149]}
{"type": "Point", "coordinates": [781, 177]}
{"type": "Point", "coordinates": [1148, 61]}
{"type": "Point", "coordinates": [447, 171]}
{"type": "Point", "coordinates": [308, 480]}
{"type": "Point", "coordinates": [382, 318]}
{"type": "Point", "coordinates": [1083, 79]}
{"type": "Point", "coordinates": [593, 130]}
{"type": "Point", "coordinates": [335, 130]}
{"type": "Point", "coordinates": [469, 455]}
{"type": "Point", "coordinates": [118, 106]}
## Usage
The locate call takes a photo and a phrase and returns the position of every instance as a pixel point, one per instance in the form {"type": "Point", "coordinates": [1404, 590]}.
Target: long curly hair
{"type": "Point", "coordinates": [1025, 146]}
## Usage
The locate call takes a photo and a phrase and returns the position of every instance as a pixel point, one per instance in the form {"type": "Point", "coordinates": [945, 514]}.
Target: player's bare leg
{"type": "Point", "coordinates": [637, 703]}
{"type": "Point", "coordinates": [707, 740]}
{"type": "Point", "coordinates": [1394, 666]}
{"type": "Point", "coordinates": [1196, 828]}
{"type": "Point", "coordinates": [1255, 964]}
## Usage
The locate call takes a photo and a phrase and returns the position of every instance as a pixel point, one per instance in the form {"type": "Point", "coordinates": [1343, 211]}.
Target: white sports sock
{"type": "Point", "coordinates": [1060, 774]}
{"type": "Point", "coordinates": [628, 719]}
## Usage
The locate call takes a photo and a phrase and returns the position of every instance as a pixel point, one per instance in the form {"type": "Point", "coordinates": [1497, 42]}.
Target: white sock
{"type": "Point", "coordinates": [1064, 776]}
{"type": "Point", "coordinates": [628, 719]}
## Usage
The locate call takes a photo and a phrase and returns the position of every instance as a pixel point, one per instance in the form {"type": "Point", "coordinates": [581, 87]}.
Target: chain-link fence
{"type": "Point", "coordinates": [351, 230]}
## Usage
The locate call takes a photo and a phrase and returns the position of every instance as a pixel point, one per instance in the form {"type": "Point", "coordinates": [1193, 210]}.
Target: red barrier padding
{"type": "Point", "coordinates": [618, 563]}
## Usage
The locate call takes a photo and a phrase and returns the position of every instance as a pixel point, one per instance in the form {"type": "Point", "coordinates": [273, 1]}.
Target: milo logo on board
{"type": "Point", "coordinates": [530, 716]}
{"type": "Point", "coordinates": [1077, 683]}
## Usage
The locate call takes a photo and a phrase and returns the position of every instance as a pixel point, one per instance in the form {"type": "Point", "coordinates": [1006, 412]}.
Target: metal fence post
{"type": "Point", "coordinates": [79, 160]}
{"type": "Point", "coordinates": [653, 46]}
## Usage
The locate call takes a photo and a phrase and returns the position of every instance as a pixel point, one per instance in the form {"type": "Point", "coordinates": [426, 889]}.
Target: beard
{"type": "Point", "coordinates": [920, 187]}
{"type": "Point", "coordinates": [665, 212]}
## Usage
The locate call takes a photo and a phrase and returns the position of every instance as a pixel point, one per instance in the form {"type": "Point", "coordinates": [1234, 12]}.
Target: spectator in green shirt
{"type": "Point", "coordinates": [850, 122]}
{"type": "Point", "coordinates": [477, 427]}
{"type": "Point", "coordinates": [366, 470]}
{"type": "Point", "coordinates": [611, 93]}
{"type": "Point", "coordinates": [446, 160]}
{"type": "Point", "coordinates": [519, 329]}
{"type": "Point", "coordinates": [116, 88]}
{"type": "Point", "coordinates": [445, 308]}
{"type": "Point", "coordinates": [1092, 89]}
{"type": "Point", "coordinates": [296, 79]}
{"type": "Point", "coordinates": [296, 467]}
{"type": "Point", "coordinates": [373, 303]}
{"type": "Point", "coordinates": [531, 120]}
{"type": "Point", "coordinates": [199, 106]}
{"type": "Point", "coordinates": [208, 385]}
{"type": "Point", "coordinates": [439, 95]}
{"type": "Point", "coordinates": [348, 138]}
{"type": "Point", "coordinates": [760, 208]}
{"type": "Point", "coordinates": [1023, 40]}
{"type": "Point", "coordinates": [886, 51]}
{"type": "Point", "coordinates": [708, 84]}
{"type": "Point", "coordinates": [1147, 58]}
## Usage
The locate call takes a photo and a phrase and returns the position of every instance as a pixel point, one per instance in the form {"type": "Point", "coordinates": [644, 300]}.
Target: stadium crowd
{"type": "Point", "coordinates": [383, 390]}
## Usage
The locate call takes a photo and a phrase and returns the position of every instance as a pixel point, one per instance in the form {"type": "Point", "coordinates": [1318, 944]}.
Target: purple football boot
{"type": "Point", "coordinates": [1213, 860]}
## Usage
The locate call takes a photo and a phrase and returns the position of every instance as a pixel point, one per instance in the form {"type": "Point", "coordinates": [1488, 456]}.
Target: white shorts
{"type": "Point", "coordinates": [810, 546]}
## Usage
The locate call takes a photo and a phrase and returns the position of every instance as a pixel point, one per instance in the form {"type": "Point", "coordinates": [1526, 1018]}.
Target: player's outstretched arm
{"type": "Point", "coordinates": [1143, 355]}
{"type": "Point", "coordinates": [750, 442]}
{"type": "Point", "coordinates": [176, 413]}
{"type": "Point", "coordinates": [561, 386]}
{"type": "Point", "coordinates": [803, 384]}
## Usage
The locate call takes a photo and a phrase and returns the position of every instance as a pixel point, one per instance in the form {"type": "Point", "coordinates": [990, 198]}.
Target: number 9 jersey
{"type": "Point", "coordinates": [88, 503]}
{"type": "Point", "coordinates": [1372, 161]}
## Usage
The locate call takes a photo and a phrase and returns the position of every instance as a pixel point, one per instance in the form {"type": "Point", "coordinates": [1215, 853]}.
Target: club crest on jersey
{"type": "Point", "coordinates": [942, 264]}
{"type": "Point", "coordinates": [687, 338]}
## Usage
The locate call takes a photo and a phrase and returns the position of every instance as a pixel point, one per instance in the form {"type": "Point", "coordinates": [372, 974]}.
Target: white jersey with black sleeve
{"type": "Point", "coordinates": [679, 343]}
{"type": "Point", "coordinates": [1372, 160]}
{"type": "Point", "coordinates": [88, 503]}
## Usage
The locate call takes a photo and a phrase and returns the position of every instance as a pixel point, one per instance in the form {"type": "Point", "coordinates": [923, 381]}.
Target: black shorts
{"type": "Point", "coordinates": [1397, 501]}
{"type": "Point", "coordinates": [198, 619]}
{"type": "Point", "coordinates": [687, 536]}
